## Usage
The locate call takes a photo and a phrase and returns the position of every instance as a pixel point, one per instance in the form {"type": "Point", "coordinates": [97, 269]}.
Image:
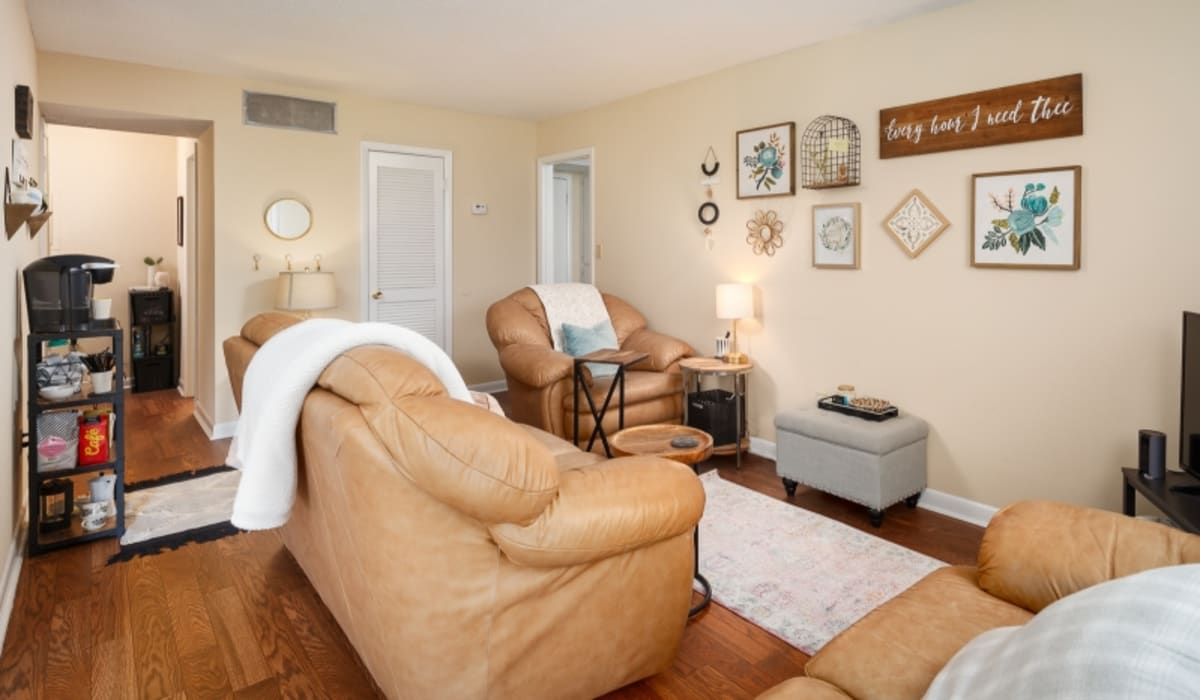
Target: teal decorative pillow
{"type": "Point", "coordinates": [580, 340]}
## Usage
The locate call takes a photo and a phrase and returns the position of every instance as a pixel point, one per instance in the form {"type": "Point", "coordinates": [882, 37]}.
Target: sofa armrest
{"type": "Point", "coordinates": [535, 365]}
{"type": "Point", "coordinates": [607, 509]}
{"type": "Point", "coordinates": [1035, 552]}
{"type": "Point", "coordinates": [662, 349]}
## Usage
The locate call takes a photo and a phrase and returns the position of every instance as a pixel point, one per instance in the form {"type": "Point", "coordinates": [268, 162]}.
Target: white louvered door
{"type": "Point", "coordinates": [408, 245]}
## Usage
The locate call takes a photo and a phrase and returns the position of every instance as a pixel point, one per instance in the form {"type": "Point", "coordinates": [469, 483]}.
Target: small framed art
{"type": "Point", "coordinates": [766, 163]}
{"type": "Point", "coordinates": [836, 239]}
{"type": "Point", "coordinates": [179, 221]}
{"type": "Point", "coordinates": [1026, 219]}
{"type": "Point", "coordinates": [915, 222]}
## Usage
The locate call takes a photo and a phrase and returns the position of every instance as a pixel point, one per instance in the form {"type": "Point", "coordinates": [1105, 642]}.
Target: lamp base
{"type": "Point", "coordinates": [735, 358]}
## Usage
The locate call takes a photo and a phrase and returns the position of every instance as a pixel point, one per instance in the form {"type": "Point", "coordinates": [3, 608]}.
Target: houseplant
{"type": "Point", "coordinates": [151, 268]}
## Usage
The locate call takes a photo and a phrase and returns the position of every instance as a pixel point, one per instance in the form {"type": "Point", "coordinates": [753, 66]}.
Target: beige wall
{"type": "Point", "coordinates": [114, 196]}
{"type": "Point", "coordinates": [252, 166]}
{"type": "Point", "coordinates": [18, 66]}
{"type": "Point", "coordinates": [1034, 383]}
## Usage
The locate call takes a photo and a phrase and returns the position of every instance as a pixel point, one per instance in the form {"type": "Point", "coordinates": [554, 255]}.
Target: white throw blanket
{"type": "Point", "coordinates": [576, 304]}
{"type": "Point", "coordinates": [280, 375]}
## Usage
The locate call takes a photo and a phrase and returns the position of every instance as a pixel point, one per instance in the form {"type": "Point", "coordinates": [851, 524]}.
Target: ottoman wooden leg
{"type": "Point", "coordinates": [876, 517]}
{"type": "Point", "coordinates": [789, 486]}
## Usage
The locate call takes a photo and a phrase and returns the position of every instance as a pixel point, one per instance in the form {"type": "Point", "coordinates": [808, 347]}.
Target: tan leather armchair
{"type": "Point", "coordinates": [1033, 553]}
{"type": "Point", "coordinates": [466, 556]}
{"type": "Point", "coordinates": [540, 381]}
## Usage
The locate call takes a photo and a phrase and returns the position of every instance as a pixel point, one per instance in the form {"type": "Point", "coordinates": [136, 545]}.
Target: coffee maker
{"type": "Point", "coordinates": [58, 291]}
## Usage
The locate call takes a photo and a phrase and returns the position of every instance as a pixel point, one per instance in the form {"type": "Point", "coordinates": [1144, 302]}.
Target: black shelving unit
{"type": "Point", "coordinates": [152, 318]}
{"type": "Point", "coordinates": [40, 542]}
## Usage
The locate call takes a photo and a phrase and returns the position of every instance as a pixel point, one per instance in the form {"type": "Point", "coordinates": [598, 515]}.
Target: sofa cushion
{"type": "Point", "coordinates": [1133, 637]}
{"type": "Point", "coordinates": [896, 650]}
{"type": "Point", "coordinates": [579, 341]}
{"type": "Point", "coordinates": [566, 455]}
{"type": "Point", "coordinates": [801, 688]}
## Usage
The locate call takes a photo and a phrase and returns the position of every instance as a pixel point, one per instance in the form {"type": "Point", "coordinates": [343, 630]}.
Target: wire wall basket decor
{"type": "Point", "coordinates": [829, 153]}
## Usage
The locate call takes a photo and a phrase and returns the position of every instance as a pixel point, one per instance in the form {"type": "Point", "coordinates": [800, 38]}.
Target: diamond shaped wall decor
{"type": "Point", "coordinates": [915, 222]}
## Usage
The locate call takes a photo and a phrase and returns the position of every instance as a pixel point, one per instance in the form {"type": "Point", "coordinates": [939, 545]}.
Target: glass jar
{"type": "Point", "coordinates": [845, 394]}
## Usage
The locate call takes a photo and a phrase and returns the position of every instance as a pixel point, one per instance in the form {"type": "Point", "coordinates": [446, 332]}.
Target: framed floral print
{"type": "Point", "coordinates": [766, 167]}
{"type": "Point", "coordinates": [836, 239]}
{"type": "Point", "coordinates": [1026, 219]}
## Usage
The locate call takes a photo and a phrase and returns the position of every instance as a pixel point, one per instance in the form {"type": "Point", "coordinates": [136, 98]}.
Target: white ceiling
{"type": "Point", "coordinates": [531, 59]}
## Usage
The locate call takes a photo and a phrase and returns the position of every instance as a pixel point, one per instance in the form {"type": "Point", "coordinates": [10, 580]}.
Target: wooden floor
{"type": "Point", "coordinates": [236, 618]}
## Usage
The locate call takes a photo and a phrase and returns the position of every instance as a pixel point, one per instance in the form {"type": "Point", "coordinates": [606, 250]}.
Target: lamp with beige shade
{"type": "Point", "coordinates": [305, 291]}
{"type": "Point", "coordinates": [734, 301]}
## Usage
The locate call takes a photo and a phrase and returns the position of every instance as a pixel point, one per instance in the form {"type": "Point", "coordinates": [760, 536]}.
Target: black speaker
{"type": "Point", "coordinates": [1152, 454]}
{"type": "Point", "coordinates": [24, 111]}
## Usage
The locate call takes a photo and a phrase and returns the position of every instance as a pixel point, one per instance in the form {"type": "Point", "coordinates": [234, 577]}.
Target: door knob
{"type": "Point", "coordinates": [377, 295]}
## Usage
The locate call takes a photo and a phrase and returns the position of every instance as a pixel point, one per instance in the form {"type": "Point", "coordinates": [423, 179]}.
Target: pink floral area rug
{"type": "Point", "coordinates": [796, 574]}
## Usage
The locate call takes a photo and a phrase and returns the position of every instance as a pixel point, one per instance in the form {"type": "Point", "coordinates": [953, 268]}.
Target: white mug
{"type": "Point", "coordinates": [101, 309]}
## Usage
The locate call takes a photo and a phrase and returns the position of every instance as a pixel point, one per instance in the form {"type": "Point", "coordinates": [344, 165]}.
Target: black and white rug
{"type": "Point", "coordinates": [174, 510]}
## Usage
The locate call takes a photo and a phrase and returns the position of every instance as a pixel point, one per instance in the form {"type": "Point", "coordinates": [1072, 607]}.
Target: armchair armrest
{"type": "Point", "coordinates": [535, 365]}
{"type": "Point", "coordinates": [1035, 552]}
{"type": "Point", "coordinates": [607, 509]}
{"type": "Point", "coordinates": [662, 349]}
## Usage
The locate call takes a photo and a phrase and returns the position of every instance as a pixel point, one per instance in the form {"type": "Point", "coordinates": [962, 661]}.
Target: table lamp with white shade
{"type": "Point", "coordinates": [305, 291]}
{"type": "Point", "coordinates": [734, 301]}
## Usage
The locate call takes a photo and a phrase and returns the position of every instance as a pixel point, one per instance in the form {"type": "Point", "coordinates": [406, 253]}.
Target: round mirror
{"type": "Point", "coordinates": [765, 233]}
{"type": "Point", "coordinates": [288, 218]}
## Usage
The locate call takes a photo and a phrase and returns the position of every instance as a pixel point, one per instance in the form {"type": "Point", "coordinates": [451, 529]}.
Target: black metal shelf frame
{"type": "Point", "coordinates": [40, 542]}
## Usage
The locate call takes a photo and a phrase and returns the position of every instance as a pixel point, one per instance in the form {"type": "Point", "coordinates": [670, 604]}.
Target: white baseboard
{"type": "Point", "coordinates": [10, 575]}
{"type": "Point", "coordinates": [947, 504]}
{"type": "Point", "coordinates": [490, 387]}
{"type": "Point", "coordinates": [957, 507]}
{"type": "Point", "coordinates": [217, 431]}
{"type": "Point", "coordinates": [762, 448]}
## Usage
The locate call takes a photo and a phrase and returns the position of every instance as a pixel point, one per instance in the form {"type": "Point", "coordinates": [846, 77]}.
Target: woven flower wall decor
{"type": "Point", "coordinates": [764, 232]}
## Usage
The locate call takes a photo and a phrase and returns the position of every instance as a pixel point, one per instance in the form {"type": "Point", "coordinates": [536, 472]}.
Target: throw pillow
{"type": "Point", "coordinates": [1133, 637]}
{"type": "Point", "coordinates": [580, 340]}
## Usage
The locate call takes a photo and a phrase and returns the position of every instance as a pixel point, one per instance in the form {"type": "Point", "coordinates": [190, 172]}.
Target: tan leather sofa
{"type": "Point", "coordinates": [466, 556]}
{"type": "Point", "coordinates": [540, 378]}
{"type": "Point", "coordinates": [1033, 553]}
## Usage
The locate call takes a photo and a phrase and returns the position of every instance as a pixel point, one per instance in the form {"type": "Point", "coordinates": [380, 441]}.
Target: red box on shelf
{"type": "Point", "coordinates": [93, 440]}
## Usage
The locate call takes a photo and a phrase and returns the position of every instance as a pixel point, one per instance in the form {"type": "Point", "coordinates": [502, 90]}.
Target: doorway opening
{"type": "Point", "coordinates": [566, 245]}
{"type": "Point", "coordinates": [133, 187]}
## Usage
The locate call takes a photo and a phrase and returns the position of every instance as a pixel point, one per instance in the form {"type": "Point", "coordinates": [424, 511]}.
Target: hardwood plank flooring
{"type": "Point", "coordinates": [237, 619]}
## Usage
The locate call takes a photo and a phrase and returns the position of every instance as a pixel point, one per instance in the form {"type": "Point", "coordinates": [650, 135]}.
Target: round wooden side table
{"type": "Point", "coordinates": [655, 441]}
{"type": "Point", "coordinates": [694, 370]}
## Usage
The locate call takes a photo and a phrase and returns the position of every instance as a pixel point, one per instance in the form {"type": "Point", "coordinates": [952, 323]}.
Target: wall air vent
{"type": "Point", "coordinates": [283, 112]}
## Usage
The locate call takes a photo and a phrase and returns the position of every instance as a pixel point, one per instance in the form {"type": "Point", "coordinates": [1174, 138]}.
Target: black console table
{"type": "Point", "coordinates": [620, 358]}
{"type": "Point", "coordinates": [1177, 495]}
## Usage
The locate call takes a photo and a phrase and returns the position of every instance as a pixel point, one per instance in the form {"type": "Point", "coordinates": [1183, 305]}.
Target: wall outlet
{"type": "Point", "coordinates": [479, 209]}
{"type": "Point", "coordinates": [597, 251]}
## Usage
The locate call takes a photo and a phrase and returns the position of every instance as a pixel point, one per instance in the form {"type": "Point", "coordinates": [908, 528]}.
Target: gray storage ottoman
{"type": "Point", "coordinates": [873, 463]}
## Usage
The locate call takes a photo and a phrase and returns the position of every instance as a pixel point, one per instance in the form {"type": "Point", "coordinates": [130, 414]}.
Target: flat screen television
{"type": "Point", "coordinates": [1189, 411]}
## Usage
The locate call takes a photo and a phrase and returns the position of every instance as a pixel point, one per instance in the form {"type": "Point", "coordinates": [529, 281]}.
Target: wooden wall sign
{"type": "Point", "coordinates": [1043, 109]}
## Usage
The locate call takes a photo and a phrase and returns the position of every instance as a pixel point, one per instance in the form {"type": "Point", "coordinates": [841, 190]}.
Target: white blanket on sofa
{"type": "Point", "coordinates": [280, 375]}
{"type": "Point", "coordinates": [576, 304]}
